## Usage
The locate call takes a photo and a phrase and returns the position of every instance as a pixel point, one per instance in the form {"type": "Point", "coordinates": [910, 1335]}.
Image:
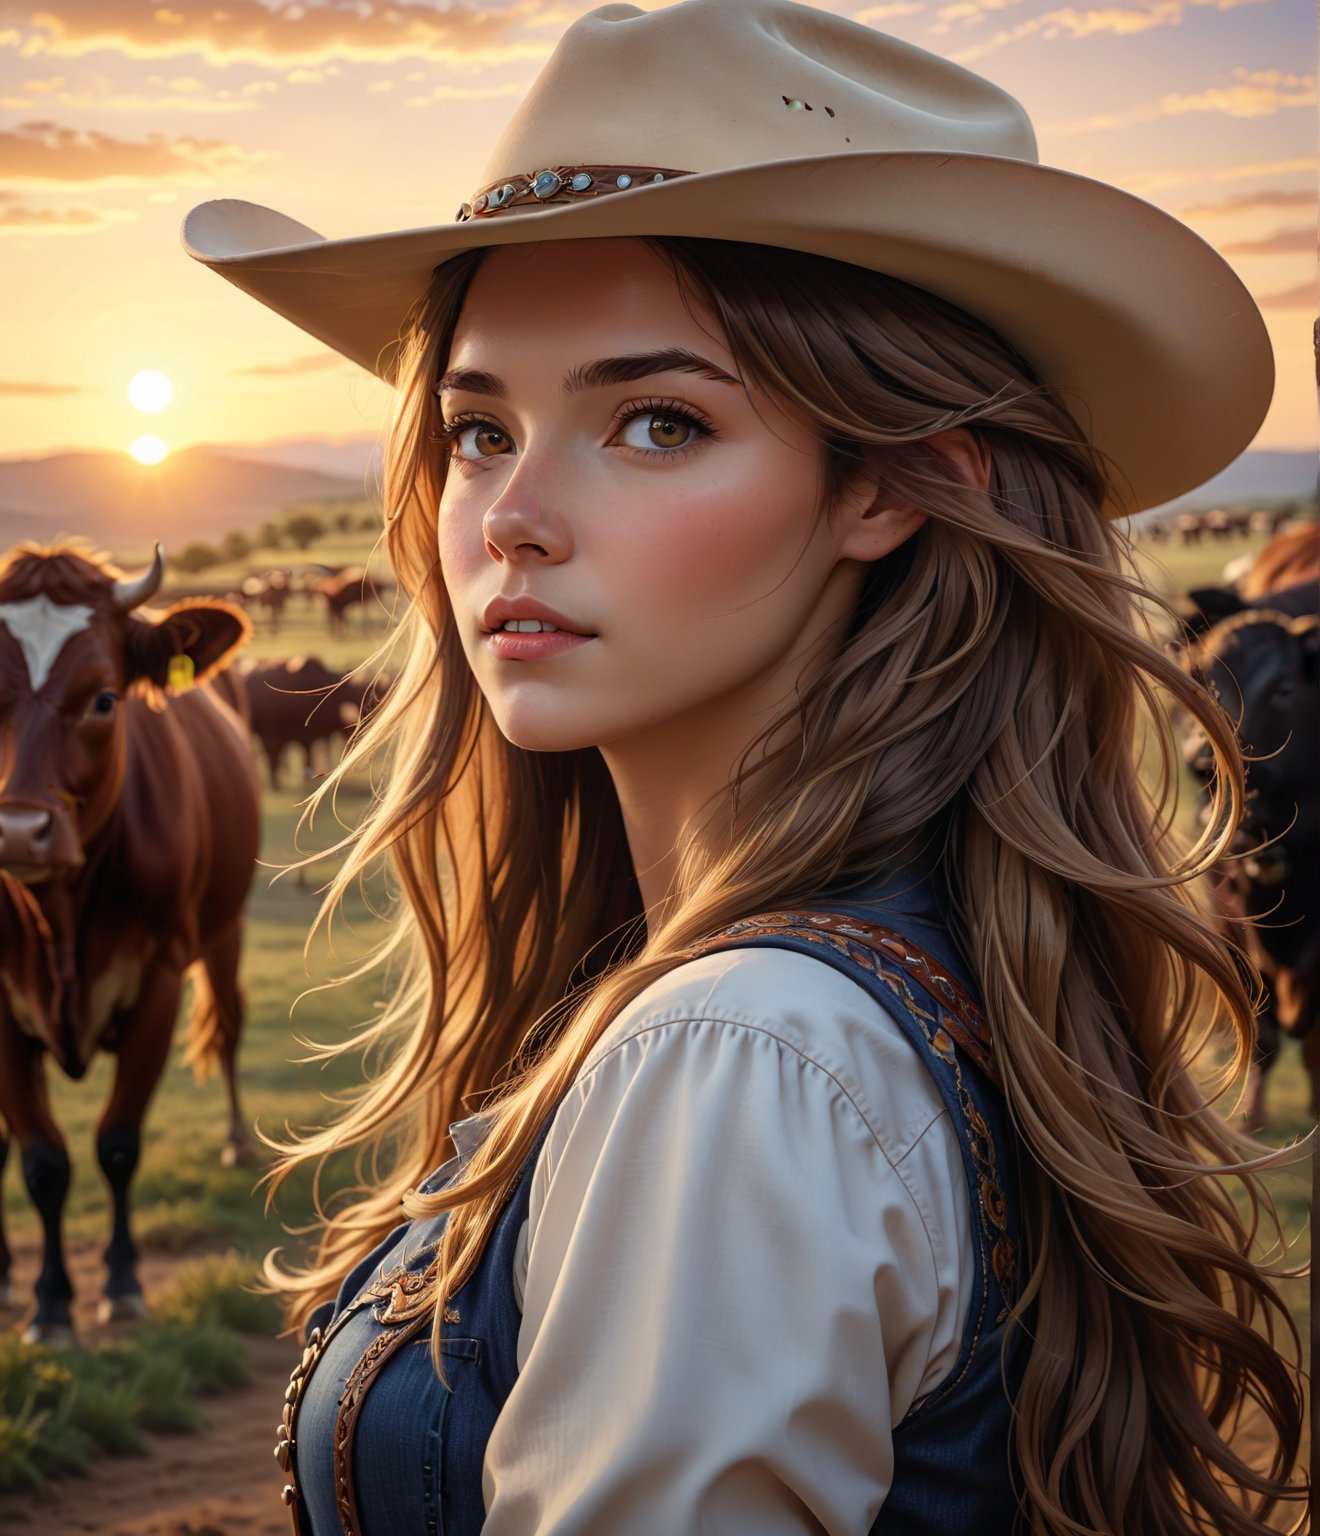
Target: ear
{"type": "Point", "coordinates": [208, 631]}
{"type": "Point", "coordinates": [1211, 605]}
{"type": "Point", "coordinates": [877, 521]}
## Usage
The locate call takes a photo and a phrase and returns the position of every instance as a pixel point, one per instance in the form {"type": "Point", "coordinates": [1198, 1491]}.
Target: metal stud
{"type": "Point", "coordinates": [623, 181]}
{"type": "Point", "coordinates": [288, 1493]}
{"type": "Point", "coordinates": [659, 176]}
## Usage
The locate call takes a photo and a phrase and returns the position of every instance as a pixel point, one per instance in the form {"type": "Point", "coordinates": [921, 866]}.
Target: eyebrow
{"type": "Point", "coordinates": [597, 375]}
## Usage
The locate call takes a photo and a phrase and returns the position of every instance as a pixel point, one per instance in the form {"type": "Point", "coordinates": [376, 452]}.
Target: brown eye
{"type": "Point", "coordinates": [669, 431]}
{"type": "Point", "coordinates": [489, 441]}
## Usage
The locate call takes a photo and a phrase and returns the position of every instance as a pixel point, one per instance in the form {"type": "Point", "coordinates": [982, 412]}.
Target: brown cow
{"type": "Point", "coordinates": [270, 592]}
{"type": "Point", "coordinates": [299, 702]}
{"type": "Point", "coordinates": [129, 826]}
{"type": "Point", "coordinates": [352, 585]}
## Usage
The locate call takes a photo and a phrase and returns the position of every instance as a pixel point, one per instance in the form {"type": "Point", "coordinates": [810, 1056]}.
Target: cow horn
{"type": "Point", "coordinates": [129, 594]}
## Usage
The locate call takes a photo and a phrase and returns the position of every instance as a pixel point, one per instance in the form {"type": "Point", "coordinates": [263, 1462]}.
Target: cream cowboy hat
{"type": "Point", "coordinates": [775, 123]}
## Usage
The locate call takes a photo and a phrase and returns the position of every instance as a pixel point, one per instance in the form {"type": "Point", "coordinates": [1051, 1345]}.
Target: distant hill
{"type": "Point", "coordinates": [349, 458]}
{"type": "Point", "coordinates": [1261, 474]}
{"type": "Point", "coordinates": [196, 493]}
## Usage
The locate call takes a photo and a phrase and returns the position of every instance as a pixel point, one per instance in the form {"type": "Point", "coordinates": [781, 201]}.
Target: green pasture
{"type": "Point", "coordinates": [184, 1201]}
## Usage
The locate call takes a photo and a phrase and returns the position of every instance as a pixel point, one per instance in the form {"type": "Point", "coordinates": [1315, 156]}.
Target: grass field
{"type": "Point", "coordinates": [185, 1201]}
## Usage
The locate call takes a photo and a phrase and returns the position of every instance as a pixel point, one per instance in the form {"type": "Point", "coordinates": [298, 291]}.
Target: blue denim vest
{"type": "Point", "coordinates": [418, 1450]}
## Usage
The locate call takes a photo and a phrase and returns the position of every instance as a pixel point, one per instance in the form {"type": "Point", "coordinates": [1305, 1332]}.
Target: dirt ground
{"type": "Point", "coordinates": [221, 1482]}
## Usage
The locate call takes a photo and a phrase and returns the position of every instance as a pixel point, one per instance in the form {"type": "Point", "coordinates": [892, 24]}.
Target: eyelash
{"type": "Point", "coordinates": [449, 432]}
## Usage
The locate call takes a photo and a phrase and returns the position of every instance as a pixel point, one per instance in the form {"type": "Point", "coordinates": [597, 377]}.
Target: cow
{"type": "Point", "coordinates": [301, 702]}
{"type": "Point", "coordinates": [1188, 526]}
{"type": "Point", "coordinates": [1259, 655]}
{"type": "Point", "coordinates": [351, 585]}
{"type": "Point", "coordinates": [270, 592]}
{"type": "Point", "coordinates": [129, 832]}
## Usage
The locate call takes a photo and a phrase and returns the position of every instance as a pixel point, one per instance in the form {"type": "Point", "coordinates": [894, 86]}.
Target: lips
{"type": "Point", "coordinates": [501, 609]}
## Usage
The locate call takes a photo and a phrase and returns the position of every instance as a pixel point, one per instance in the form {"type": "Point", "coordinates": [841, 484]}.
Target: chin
{"type": "Point", "coordinates": [535, 734]}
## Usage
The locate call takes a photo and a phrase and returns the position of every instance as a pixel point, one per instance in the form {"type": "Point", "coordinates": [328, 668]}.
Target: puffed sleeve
{"type": "Point", "coordinates": [730, 1299]}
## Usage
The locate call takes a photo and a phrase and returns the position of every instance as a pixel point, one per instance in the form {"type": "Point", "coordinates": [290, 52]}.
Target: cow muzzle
{"type": "Point", "coordinates": [37, 842]}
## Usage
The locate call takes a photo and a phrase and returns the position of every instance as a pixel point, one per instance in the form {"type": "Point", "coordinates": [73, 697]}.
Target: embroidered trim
{"type": "Point", "coordinates": [400, 1297]}
{"type": "Point", "coordinates": [870, 946]}
{"type": "Point", "coordinates": [966, 1023]}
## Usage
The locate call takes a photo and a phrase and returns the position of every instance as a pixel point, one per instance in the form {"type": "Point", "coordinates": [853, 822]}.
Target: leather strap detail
{"type": "Point", "coordinates": [350, 1406]}
{"type": "Point", "coordinates": [961, 1018]}
{"type": "Point", "coordinates": [562, 184]}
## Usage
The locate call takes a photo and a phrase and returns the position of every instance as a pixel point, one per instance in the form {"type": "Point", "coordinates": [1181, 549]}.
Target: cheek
{"type": "Point", "coordinates": [449, 539]}
{"type": "Point", "coordinates": [725, 556]}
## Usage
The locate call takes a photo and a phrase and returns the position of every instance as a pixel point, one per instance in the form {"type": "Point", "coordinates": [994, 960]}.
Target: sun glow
{"type": "Point", "coordinates": [148, 450]}
{"type": "Point", "coordinates": [150, 390]}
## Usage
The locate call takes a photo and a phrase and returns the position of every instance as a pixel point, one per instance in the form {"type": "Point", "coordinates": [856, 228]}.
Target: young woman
{"type": "Point", "coordinates": [765, 803]}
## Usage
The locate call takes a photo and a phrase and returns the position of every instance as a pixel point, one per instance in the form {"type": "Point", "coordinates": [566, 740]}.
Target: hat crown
{"type": "Point", "coordinates": [710, 85]}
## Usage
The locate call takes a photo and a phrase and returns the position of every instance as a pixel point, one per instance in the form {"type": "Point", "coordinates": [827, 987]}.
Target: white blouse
{"type": "Point", "coordinates": [748, 1254]}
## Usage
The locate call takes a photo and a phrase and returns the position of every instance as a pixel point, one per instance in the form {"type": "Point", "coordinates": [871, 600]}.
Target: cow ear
{"type": "Point", "coordinates": [207, 631]}
{"type": "Point", "coordinates": [1202, 609]}
{"type": "Point", "coordinates": [1307, 630]}
{"type": "Point", "coordinates": [1215, 604]}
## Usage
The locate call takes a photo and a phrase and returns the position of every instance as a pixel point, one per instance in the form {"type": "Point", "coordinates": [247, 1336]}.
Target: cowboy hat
{"type": "Point", "coordinates": [779, 124]}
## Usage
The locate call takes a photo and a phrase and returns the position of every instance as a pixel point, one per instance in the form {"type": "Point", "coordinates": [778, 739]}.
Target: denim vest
{"type": "Point", "coordinates": [417, 1452]}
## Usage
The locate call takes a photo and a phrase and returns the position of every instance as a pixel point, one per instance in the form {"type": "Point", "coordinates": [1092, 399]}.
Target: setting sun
{"type": "Point", "coordinates": [150, 390]}
{"type": "Point", "coordinates": [148, 450]}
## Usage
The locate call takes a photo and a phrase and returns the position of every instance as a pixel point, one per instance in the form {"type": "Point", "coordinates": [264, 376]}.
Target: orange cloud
{"type": "Point", "coordinates": [877, 13]}
{"type": "Point", "coordinates": [1070, 22]}
{"type": "Point", "coordinates": [280, 34]}
{"type": "Point", "coordinates": [1243, 202]}
{"type": "Point", "coordinates": [1258, 95]}
{"type": "Point", "coordinates": [33, 390]}
{"type": "Point", "coordinates": [308, 362]}
{"type": "Point", "coordinates": [102, 96]}
{"type": "Point", "coordinates": [1289, 298]}
{"type": "Point", "coordinates": [1283, 242]}
{"type": "Point", "coordinates": [61, 221]}
{"type": "Point", "coordinates": [47, 154]}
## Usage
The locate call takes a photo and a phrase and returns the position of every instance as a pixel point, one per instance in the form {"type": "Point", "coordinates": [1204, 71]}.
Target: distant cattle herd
{"type": "Point", "coordinates": [265, 594]}
{"type": "Point", "coordinates": [1217, 524]}
{"type": "Point", "coordinates": [130, 733]}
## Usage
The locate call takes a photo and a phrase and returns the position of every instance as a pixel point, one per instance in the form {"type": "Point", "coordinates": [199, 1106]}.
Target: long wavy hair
{"type": "Point", "coordinates": [993, 692]}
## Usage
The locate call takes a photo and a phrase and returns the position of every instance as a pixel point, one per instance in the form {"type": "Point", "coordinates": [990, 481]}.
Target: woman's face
{"type": "Point", "coordinates": [654, 503]}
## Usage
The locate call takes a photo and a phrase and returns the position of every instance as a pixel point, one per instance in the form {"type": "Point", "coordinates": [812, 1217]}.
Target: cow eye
{"type": "Point", "coordinates": [104, 703]}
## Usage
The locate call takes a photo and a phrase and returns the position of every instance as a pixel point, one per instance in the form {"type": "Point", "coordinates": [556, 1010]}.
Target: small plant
{"type": "Point", "coordinates": [59, 1412]}
{"type": "Point", "coordinates": [218, 1290]}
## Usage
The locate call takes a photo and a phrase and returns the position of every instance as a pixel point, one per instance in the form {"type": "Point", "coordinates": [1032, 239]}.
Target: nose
{"type": "Point", "coordinates": [25, 836]}
{"type": "Point", "coordinates": [518, 528]}
{"type": "Point", "coordinates": [30, 839]}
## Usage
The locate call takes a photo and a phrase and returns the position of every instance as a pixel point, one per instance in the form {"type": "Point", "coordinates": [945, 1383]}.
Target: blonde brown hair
{"type": "Point", "coordinates": [990, 694]}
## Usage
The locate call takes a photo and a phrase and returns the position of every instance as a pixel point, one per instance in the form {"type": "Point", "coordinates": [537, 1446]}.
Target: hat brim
{"type": "Point", "coordinates": [1145, 330]}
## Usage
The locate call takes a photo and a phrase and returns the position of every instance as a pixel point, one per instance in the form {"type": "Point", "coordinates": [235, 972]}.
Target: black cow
{"type": "Point", "coordinates": [1260, 658]}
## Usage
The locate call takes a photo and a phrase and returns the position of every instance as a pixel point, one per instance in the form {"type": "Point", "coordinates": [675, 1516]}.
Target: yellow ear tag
{"type": "Point", "coordinates": [181, 673]}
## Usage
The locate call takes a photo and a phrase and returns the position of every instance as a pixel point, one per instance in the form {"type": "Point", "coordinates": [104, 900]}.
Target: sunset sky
{"type": "Point", "coordinates": [116, 117]}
